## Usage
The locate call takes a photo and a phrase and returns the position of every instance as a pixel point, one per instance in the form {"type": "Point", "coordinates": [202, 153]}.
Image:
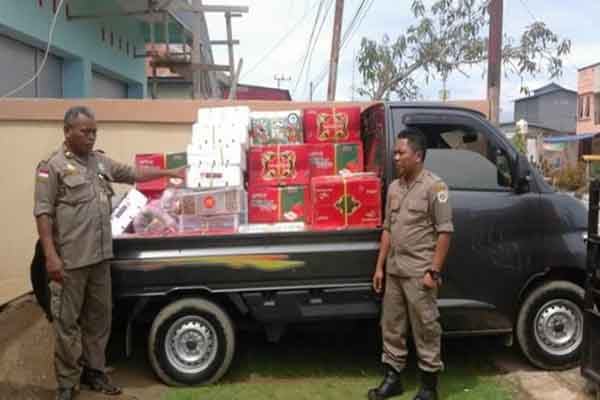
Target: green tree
{"type": "Point", "coordinates": [520, 143]}
{"type": "Point", "coordinates": [448, 37]}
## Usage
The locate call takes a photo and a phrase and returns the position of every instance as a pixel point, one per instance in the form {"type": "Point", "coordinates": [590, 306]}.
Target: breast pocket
{"type": "Point", "coordinates": [418, 210]}
{"type": "Point", "coordinates": [77, 190]}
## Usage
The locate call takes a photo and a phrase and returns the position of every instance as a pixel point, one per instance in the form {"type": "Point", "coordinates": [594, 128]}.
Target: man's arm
{"type": "Point", "coordinates": [46, 185]}
{"type": "Point", "coordinates": [54, 264]}
{"type": "Point", "coordinates": [384, 248]}
{"type": "Point", "coordinates": [439, 200]}
{"type": "Point", "coordinates": [441, 251]}
{"type": "Point", "coordinates": [150, 173]}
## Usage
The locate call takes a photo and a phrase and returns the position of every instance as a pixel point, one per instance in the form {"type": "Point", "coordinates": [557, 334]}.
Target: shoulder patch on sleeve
{"type": "Point", "coordinates": [440, 187]}
{"type": "Point", "coordinates": [42, 171]}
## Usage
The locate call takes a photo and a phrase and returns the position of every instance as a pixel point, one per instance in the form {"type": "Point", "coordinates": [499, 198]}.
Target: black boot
{"type": "Point", "coordinates": [65, 394]}
{"type": "Point", "coordinates": [428, 390]}
{"type": "Point", "coordinates": [98, 381]}
{"type": "Point", "coordinates": [389, 387]}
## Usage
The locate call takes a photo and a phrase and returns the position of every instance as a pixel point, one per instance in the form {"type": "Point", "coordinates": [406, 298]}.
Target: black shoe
{"type": "Point", "coordinates": [98, 382]}
{"type": "Point", "coordinates": [428, 390]}
{"type": "Point", "coordinates": [389, 387]}
{"type": "Point", "coordinates": [65, 394]}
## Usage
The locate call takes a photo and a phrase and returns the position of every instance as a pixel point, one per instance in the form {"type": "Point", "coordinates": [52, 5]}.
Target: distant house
{"type": "Point", "coordinates": [551, 115]}
{"type": "Point", "coordinates": [588, 106]}
{"type": "Point", "coordinates": [93, 57]}
{"type": "Point", "coordinates": [552, 107]}
{"type": "Point", "coordinates": [166, 84]}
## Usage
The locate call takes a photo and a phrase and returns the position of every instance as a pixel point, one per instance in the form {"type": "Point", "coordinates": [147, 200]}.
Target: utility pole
{"type": "Point", "coordinates": [495, 59]}
{"type": "Point", "coordinates": [335, 49]}
{"type": "Point", "coordinates": [311, 91]}
{"type": "Point", "coordinates": [197, 87]}
{"type": "Point", "coordinates": [280, 78]}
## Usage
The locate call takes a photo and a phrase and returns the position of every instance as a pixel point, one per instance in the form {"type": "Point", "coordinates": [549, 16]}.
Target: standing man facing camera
{"type": "Point", "coordinates": [72, 208]}
{"type": "Point", "coordinates": [414, 244]}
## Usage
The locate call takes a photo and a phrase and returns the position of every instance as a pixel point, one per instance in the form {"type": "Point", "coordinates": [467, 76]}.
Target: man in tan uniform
{"type": "Point", "coordinates": [414, 244]}
{"type": "Point", "coordinates": [72, 210]}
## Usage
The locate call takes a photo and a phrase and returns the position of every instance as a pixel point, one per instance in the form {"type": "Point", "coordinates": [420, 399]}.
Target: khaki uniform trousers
{"type": "Point", "coordinates": [81, 308]}
{"type": "Point", "coordinates": [408, 304]}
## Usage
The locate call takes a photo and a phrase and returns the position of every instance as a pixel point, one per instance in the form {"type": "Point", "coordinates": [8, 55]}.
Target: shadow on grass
{"type": "Point", "coordinates": [341, 361]}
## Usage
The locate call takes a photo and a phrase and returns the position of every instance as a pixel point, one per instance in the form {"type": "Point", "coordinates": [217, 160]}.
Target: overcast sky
{"type": "Point", "coordinates": [289, 22]}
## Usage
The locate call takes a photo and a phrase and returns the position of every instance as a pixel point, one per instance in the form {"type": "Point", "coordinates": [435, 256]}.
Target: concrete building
{"type": "Point", "coordinates": [88, 57]}
{"type": "Point", "coordinates": [552, 106]}
{"type": "Point", "coordinates": [588, 105]}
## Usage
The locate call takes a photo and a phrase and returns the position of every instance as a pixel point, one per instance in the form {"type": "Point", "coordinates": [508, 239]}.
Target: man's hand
{"type": "Point", "coordinates": [178, 172]}
{"type": "Point", "coordinates": [55, 268]}
{"type": "Point", "coordinates": [378, 280]}
{"type": "Point", "coordinates": [429, 282]}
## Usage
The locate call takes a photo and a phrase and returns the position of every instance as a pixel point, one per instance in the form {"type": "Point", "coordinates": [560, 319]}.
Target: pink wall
{"type": "Point", "coordinates": [586, 84]}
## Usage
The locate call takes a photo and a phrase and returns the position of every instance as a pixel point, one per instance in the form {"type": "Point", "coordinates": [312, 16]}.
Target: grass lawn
{"type": "Point", "coordinates": [341, 362]}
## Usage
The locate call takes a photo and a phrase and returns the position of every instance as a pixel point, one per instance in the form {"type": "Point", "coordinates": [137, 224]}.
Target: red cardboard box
{"type": "Point", "coordinates": [278, 165]}
{"type": "Point", "coordinates": [332, 124]}
{"type": "Point", "coordinates": [346, 201]}
{"type": "Point", "coordinates": [267, 204]}
{"type": "Point", "coordinates": [156, 160]}
{"type": "Point", "coordinates": [331, 158]}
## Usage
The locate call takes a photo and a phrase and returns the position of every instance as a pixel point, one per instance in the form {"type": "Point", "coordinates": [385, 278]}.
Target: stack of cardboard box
{"type": "Point", "coordinates": [279, 171]}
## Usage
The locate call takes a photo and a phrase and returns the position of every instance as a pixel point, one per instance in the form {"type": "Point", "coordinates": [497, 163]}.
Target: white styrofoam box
{"type": "Point", "coordinates": [222, 124]}
{"type": "Point", "coordinates": [126, 211]}
{"type": "Point", "coordinates": [218, 115]}
{"type": "Point", "coordinates": [227, 154]}
{"type": "Point", "coordinates": [215, 176]}
{"type": "Point", "coordinates": [203, 134]}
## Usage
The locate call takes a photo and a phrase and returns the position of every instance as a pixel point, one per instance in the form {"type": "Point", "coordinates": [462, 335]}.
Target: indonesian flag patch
{"type": "Point", "coordinates": [43, 173]}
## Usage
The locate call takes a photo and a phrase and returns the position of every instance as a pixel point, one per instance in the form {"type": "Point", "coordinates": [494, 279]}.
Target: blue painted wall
{"type": "Point", "coordinates": [79, 42]}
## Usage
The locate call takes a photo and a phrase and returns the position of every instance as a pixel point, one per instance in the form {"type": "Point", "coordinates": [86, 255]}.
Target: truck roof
{"type": "Point", "coordinates": [480, 107]}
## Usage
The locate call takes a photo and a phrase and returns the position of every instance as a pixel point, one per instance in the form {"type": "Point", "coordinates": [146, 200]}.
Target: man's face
{"type": "Point", "coordinates": [405, 159]}
{"type": "Point", "coordinates": [80, 135]}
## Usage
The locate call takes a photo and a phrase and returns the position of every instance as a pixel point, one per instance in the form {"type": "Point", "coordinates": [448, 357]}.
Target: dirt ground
{"type": "Point", "coordinates": [26, 372]}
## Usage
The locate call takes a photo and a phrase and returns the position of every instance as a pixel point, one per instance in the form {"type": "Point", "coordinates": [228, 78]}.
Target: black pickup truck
{"type": "Point", "coordinates": [516, 265]}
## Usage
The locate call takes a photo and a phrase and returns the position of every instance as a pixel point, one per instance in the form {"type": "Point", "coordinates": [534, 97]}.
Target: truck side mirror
{"type": "Point", "coordinates": [522, 184]}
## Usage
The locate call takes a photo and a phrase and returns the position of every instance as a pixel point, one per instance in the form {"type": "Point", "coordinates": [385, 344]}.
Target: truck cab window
{"type": "Point", "coordinates": [466, 159]}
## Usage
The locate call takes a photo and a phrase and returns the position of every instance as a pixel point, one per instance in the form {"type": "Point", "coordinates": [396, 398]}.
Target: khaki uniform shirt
{"type": "Point", "coordinates": [76, 194]}
{"type": "Point", "coordinates": [414, 216]}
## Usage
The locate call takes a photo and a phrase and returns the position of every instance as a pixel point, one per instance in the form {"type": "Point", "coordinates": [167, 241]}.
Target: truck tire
{"type": "Point", "coordinates": [191, 342]}
{"type": "Point", "coordinates": [550, 325]}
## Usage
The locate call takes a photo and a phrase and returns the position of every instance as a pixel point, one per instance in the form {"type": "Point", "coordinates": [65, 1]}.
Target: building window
{"type": "Point", "coordinates": [134, 51]}
{"type": "Point", "coordinates": [103, 34]}
{"type": "Point", "coordinates": [120, 42]}
{"type": "Point", "coordinates": [40, 3]}
{"type": "Point", "coordinates": [112, 39]}
{"type": "Point", "coordinates": [586, 111]}
{"type": "Point", "coordinates": [54, 6]}
{"type": "Point", "coordinates": [127, 47]}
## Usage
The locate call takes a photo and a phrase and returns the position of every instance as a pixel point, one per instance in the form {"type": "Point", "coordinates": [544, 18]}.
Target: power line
{"type": "Point", "coordinates": [328, 7]}
{"type": "Point", "coordinates": [47, 52]}
{"type": "Point", "coordinates": [310, 39]}
{"type": "Point", "coordinates": [350, 30]}
{"type": "Point", "coordinates": [528, 11]}
{"type": "Point", "coordinates": [279, 42]}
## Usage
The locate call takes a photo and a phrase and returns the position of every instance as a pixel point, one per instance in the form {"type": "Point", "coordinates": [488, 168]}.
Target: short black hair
{"type": "Point", "coordinates": [416, 140]}
{"type": "Point", "coordinates": [74, 112]}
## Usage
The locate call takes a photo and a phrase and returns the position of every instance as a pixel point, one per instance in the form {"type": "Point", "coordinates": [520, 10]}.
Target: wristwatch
{"type": "Point", "coordinates": [434, 274]}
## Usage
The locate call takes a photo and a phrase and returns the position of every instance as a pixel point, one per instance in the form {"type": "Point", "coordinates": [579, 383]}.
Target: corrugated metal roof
{"type": "Point", "coordinates": [570, 138]}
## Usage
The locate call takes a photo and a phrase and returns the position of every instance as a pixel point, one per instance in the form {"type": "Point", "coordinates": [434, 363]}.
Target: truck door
{"type": "Point", "coordinates": [590, 362]}
{"type": "Point", "coordinates": [497, 233]}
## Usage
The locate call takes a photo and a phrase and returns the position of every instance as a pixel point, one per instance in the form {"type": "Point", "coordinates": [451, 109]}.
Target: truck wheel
{"type": "Point", "coordinates": [550, 325]}
{"type": "Point", "coordinates": [191, 342]}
